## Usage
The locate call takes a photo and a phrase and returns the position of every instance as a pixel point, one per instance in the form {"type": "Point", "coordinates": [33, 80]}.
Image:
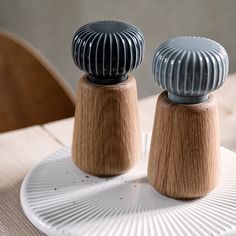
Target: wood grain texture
{"type": "Point", "coordinates": [20, 151]}
{"type": "Point", "coordinates": [226, 98]}
{"type": "Point", "coordinates": [31, 91]}
{"type": "Point", "coordinates": [184, 153]}
{"type": "Point", "coordinates": [106, 137]}
{"type": "Point", "coordinates": [62, 130]}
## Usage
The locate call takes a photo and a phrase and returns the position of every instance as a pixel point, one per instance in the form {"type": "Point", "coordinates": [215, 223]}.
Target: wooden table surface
{"type": "Point", "coordinates": [21, 150]}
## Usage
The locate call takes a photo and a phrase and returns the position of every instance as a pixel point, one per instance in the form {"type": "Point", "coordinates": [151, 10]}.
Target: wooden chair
{"type": "Point", "coordinates": [31, 91]}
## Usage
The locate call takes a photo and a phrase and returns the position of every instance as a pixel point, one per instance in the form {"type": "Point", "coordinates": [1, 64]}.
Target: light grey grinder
{"type": "Point", "coordinates": [185, 147]}
{"type": "Point", "coordinates": [189, 68]}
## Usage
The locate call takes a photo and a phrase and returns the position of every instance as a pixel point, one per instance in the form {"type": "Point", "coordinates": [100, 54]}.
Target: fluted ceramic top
{"type": "Point", "coordinates": [108, 50]}
{"type": "Point", "coordinates": [190, 67]}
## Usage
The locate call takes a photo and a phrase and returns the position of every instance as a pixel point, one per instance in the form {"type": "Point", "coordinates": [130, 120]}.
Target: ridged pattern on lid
{"type": "Point", "coordinates": [108, 48]}
{"type": "Point", "coordinates": [190, 66]}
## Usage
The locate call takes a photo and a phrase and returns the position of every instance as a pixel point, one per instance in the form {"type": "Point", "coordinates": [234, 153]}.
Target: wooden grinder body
{"type": "Point", "coordinates": [106, 139]}
{"type": "Point", "coordinates": [184, 153]}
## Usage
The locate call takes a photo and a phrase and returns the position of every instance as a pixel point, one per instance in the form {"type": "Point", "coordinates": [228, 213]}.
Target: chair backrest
{"type": "Point", "coordinates": [31, 91]}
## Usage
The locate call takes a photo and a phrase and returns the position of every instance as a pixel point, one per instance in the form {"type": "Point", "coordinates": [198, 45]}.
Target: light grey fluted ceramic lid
{"type": "Point", "coordinates": [190, 67]}
{"type": "Point", "coordinates": [108, 50]}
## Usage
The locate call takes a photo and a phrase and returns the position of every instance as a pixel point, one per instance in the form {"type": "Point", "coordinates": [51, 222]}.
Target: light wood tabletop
{"type": "Point", "coordinates": [22, 149]}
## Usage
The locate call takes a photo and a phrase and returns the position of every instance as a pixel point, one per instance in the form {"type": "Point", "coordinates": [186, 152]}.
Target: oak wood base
{"type": "Point", "coordinates": [184, 153]}
{"type": "Point", "coordinates": [106, 139]}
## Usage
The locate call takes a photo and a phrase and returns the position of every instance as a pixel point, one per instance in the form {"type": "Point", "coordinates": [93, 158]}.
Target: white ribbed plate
{"type": "Point", "coordinates": [59, 199]}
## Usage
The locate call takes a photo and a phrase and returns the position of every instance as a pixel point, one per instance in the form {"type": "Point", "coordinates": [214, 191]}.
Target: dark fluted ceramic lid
{"type": "Point", "coordinates": [190, 67]}
{"type": "Point", "coordinates": [108, 50]}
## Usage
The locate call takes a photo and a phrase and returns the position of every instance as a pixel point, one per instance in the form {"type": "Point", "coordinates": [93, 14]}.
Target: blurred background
{"type": "Point", "coordinates": [50, 25]}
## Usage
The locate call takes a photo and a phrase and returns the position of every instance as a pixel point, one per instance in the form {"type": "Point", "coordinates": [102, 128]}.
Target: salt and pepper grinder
{"type": "Point", "coordinates": [184, 155]}
{"type": "Point", "coordinates": [106, 140]}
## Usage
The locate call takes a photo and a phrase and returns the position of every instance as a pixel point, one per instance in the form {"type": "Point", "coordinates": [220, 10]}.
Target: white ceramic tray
{"type": "Point", "coordinates": [59, 199]}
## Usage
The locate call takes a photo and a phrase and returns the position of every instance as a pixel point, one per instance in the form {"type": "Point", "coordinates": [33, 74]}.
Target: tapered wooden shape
{"type": "Point", "coordinates": [184, 153]}
{"type": "Point", "coordinates": [106, 138]}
